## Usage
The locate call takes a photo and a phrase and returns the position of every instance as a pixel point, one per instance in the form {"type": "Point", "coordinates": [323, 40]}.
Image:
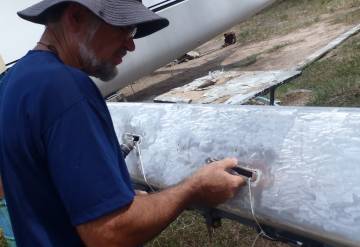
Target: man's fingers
{"type": "Point", "coordinates": [227, 163]}
{"type": "Point", "coordinates": [240, 181]}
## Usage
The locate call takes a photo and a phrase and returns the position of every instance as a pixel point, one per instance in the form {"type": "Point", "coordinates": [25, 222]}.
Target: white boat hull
{"type": "Point", "coordinates": [192, 23]}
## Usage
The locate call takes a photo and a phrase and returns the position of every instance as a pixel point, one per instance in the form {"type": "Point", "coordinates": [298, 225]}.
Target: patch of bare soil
{"type": "Point", "coordinates": [278, 53]}
{"type": "Point", "coordinates": [293, 48]}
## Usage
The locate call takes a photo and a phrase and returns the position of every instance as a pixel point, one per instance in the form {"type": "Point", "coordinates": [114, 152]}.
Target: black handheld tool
{"type": "Point", "coordinates": [129, 145]}
{"type": "Point", "coordinates": [238, 170]}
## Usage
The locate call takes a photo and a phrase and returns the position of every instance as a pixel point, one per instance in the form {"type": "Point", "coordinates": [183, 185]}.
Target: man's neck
{"type": "Point", "coordinates": [56, 41]}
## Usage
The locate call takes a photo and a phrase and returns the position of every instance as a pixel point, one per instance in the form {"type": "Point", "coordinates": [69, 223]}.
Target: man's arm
{"type": "Point", "coordinates": [149, 214]}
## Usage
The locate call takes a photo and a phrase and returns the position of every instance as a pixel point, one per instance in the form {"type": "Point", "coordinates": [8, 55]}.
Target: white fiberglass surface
{"type": "Point", "coordinates": [308, 158]}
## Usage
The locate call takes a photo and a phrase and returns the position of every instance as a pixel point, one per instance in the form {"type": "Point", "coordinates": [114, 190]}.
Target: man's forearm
{"type": "Point", "coordinates": [142, 220]}
{"type": "Point", "coordinates": [155, 211]}
{"type": "Point", "coordinates": [149, 214]}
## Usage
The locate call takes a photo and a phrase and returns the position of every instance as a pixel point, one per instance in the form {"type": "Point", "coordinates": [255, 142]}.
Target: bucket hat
{"type": "Point", "coordinates": [121, 13]}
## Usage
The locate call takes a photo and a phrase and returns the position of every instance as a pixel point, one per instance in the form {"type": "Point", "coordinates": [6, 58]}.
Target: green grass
{"type": "Point", "coordinates": [286, 16]}
{"type": "Point", "coordinates": [334, 80]}
{"type": "Point", "coordinates": [190, 230]}
{"type": "Point", "coordinates": [2, 239]}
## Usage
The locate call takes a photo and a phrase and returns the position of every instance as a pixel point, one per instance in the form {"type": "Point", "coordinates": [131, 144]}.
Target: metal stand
{"type": "Point", "coordinates": [272, 95]}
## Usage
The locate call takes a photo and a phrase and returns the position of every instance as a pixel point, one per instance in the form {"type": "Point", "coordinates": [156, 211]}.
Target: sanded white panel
{"type": "Point", "coordinates": [308, 157]}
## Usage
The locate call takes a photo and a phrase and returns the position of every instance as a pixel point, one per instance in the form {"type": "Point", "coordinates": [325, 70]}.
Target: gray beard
{"type": "Point", "coordinates": [105, 71]}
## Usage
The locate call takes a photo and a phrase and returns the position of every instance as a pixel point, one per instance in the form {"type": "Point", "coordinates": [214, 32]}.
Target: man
{"type": "Point", "coordinates": [64, 176]}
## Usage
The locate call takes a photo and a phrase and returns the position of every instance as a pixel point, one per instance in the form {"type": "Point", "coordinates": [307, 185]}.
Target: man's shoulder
{"type": "Point", "coordinates": [47, 86]}
{"type": "Point", "coordinates": [41, 72]}
{"type": "Point", "coordinates": [45, 68]}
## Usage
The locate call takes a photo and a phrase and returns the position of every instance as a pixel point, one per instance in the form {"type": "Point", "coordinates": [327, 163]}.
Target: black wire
{"type": "Point", "coordinates": [8, 64]}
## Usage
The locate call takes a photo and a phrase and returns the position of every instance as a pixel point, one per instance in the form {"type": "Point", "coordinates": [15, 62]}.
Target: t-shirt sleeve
{"type": "Point", "coordinates": [84, 163]}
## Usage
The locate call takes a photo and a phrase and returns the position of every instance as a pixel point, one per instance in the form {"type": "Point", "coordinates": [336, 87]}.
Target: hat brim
{"type": "Point", "coordinates": [116, 13]}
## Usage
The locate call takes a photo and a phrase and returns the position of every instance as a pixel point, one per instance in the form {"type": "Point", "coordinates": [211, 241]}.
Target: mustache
{"type": "Point", "coordinates": [120, 53]}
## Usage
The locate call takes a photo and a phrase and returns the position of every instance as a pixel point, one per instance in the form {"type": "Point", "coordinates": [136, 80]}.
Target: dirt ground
{"type": "Point", "coordinates": [277, 53]}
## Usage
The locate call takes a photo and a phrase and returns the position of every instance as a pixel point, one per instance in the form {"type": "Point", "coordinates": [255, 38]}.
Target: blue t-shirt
{"type": "Point", "coordinates": [60, 159]}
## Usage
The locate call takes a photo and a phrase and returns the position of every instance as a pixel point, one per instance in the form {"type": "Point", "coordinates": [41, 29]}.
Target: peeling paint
{"type": "Point", "coordinates": [230, 87]}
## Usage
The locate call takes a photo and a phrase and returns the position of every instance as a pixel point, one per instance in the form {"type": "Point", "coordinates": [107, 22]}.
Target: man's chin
{"type": "Point", "coordinates": [107, 75]}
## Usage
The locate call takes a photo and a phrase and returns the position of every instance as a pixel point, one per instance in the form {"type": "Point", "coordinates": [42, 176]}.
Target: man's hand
{"type": "Point", "coordinates": [149, 214]}
{"type": "Point", "coordinates": [213, 184]}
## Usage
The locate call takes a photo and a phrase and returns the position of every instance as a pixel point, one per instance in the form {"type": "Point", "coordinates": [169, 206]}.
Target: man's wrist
{"type": "Point", "coordinates": [191, 190]}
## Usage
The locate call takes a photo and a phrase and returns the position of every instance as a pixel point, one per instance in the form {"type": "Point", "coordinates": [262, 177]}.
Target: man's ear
{"type": "Point", "coordinates": [75, 17]}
